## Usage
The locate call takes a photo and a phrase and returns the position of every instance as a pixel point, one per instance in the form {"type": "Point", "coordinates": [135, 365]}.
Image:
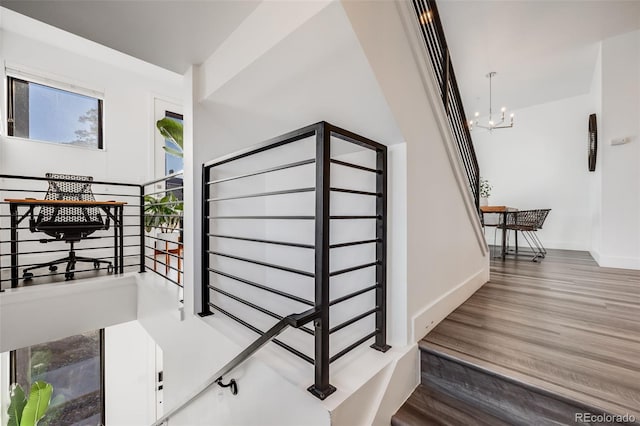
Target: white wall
{"type": "Point", "coordinates": [64, 309]}
{"type": "Point", "coordinates": [542, 163]}
{"type": "Point", "coordinates": [620, 164]}
{"type": "Point", "coordinates": [595, 205]}
{"type": "Point", "coordinates": [129, 88]}
{"type": "Point", "coordinates": [130, 375]}
{"type": "Point", "coordinates": [61, 310]}
{"type": "Point", "coordinates": [308, 77]}
{"type": "Point", "coordinates": [446, 256]}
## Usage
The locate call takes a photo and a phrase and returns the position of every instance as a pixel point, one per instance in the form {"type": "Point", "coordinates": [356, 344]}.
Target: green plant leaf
{"type": "Point", "coordinates": [172, 130]}
{"type": "Point", "coordinates": [37, 404]}
{"type": "Point", "coordinates": [162, 213]}
{"type": "Point", "coordinates": [18, 401]}
{"type": "Point", "coordinates": [173, 152]}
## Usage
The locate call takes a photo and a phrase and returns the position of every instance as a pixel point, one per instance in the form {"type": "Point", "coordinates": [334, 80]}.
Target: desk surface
{"type": "Point", "coordinates": [497, 209]}
{"type": "Point", "coordinates": [30, 201]}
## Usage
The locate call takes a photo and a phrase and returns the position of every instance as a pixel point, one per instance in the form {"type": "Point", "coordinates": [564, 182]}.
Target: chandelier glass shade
{"type": "Point", "coordinates": [492, 123]}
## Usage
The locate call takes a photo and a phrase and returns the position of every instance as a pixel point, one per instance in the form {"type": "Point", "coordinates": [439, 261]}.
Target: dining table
{"type": "Point", "coordinates": [502, 224]}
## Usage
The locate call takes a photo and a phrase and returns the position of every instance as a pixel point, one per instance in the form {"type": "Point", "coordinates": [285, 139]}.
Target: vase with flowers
{"type": "Point", "coordinates": [485, 192]}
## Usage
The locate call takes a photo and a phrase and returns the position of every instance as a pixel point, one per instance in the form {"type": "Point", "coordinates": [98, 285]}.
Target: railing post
{"type": "Point", "coordinates": [206, 308]}
{"type": "Point", "coordinates": [381, 251]}
{"type": "Point", "coordinates": [142, 244]}
{"type": "Point", "coordinates": [321, 387]}
{"type": "Point", "coordinates": [476, 192]}
{"type": "Point", "coordinates": [14, 245]}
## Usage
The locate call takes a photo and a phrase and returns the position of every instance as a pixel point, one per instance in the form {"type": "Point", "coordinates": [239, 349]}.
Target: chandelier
{"type": "Point", "coordinates": [492, 124]}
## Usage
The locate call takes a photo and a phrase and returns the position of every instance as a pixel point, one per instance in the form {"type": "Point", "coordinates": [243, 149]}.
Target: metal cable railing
{"type": "Point", "coordinates": [435, 43]}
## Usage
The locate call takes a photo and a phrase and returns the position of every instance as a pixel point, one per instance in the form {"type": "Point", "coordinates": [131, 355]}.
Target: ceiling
{"type": "Point", "coordinates": [170, 34]}
{"type": "Point", "coordinates": [541, 50]}
{"type": "Point", "coordinates": [312, 75]}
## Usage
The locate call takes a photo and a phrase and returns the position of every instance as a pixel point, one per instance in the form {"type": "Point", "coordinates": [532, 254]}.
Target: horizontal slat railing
{"type": "Point", "coordinates": [258, 252]}
{"type": "Point", "coordinates": [142, 249]}
{"type": "Point", "coordinates": [162, 231]}
{"type": "Point", "coordinates": [119, 244]}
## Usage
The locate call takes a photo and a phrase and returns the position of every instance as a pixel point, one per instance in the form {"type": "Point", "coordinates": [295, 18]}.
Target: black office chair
{"type": "Point", "coordinates": [528, 222]}
{"type": "Point", "coordinates": [69, 224]}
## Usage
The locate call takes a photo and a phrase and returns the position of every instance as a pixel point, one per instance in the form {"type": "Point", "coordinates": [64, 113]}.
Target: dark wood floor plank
{"type": "Point", "coordinates": [430, 406]}
{"type": "Point", "coordinates": [563, 323]}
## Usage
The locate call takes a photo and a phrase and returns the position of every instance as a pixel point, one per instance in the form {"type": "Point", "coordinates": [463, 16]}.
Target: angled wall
{"type": "Point", "coordinates": [446, 253]}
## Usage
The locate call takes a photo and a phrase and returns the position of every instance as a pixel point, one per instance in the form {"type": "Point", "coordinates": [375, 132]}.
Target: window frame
{"type": "Point", "coordinates": [12, 75]}
{"type": "Point", "coordinates": [175, 116]}
{"type": "Point", "coordinates": [156, 153]}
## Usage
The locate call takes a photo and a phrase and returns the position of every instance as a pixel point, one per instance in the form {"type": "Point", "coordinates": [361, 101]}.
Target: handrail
{"type": "Point", "coordinates": [435, 43]}
{"type": "Point", "coordinates": [293, 320]}
{"type": "Point", "coordinates": [166, 177]}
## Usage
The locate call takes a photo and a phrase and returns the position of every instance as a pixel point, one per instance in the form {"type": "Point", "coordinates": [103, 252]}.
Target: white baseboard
{"type": "Point", "coordinates": [616, 261]}
{"type": "Point", "coordinates": [561, 245]}
{"type": "Point", "coordinates": [550, 244]}
{"type": "Point", "coordinates": [432, 314]}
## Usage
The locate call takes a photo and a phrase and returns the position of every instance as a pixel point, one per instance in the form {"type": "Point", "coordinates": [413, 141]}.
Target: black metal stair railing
{"type": "Point", "coordinates": [293, 320]}
{"type": "Point", "coordinates": [245, 283]}
{"type": "Point", "coordinates": [435, 42]}
{"type": "Point", "coordinates": [162, 236]}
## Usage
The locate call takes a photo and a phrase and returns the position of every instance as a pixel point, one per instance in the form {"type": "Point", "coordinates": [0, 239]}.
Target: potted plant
{"type": "Point", "coordinates": [29, 410]}
{"type": "Point", "coordinates": [163, 214]}
{"type": "Point", "coordinates": [485, 192]}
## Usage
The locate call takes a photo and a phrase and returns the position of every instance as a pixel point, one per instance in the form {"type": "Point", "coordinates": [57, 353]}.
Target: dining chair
{"type": "Point", "coordinates": [527, 222]}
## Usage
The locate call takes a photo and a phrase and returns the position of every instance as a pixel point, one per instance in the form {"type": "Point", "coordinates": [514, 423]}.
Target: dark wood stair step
{"type": "Point", "coordinates": [455, 391]}
{"type": "Point", "coordinates": [518, 396]}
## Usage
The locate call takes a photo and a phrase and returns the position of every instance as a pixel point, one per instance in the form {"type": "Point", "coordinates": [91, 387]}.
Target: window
{"type": "Point", "coordinates": [75, 367]}
{"type": "Point", "coordinates": [172, 163]}
{"type": "Point", "coordinates": [45, 113]}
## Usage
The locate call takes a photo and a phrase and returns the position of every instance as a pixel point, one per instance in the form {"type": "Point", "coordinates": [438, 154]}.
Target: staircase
{"type": "Point", "coordinates": [454, 391]}
{"type": "Point", "coordinates": [553, 343]}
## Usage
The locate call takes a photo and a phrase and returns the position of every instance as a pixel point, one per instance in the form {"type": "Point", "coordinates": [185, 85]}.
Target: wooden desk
{"type": "Point", "coordinates": [113, 209]}
{"type": "Point", "coordinates": [502, 210]}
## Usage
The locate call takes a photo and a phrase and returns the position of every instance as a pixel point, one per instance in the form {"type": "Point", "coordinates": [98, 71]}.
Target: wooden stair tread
{"type": "Point", "coordinates": [552, 390]}
{"type": "Point", "coordinates": [564, 326]}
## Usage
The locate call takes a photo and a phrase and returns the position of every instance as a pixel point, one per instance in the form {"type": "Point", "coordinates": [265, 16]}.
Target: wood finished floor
{"type": "Point", "coordinates": [564, 325]}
